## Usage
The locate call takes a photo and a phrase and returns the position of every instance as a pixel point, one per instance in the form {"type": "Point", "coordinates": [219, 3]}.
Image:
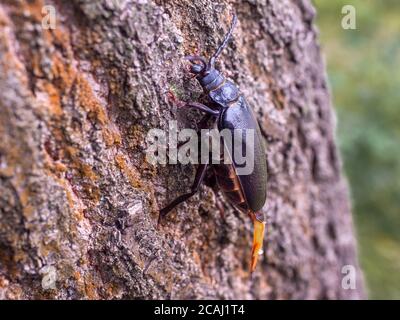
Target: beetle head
{"type": "Point", "coordinates": [199, 65]}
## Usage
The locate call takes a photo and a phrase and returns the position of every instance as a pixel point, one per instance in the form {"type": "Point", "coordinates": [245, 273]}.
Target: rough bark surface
{"type": "Point", "coordinates": [76, 192]}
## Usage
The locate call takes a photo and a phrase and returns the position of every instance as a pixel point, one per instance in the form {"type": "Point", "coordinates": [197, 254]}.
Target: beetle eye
{"type": "Point", "coordinates": [196, 68]}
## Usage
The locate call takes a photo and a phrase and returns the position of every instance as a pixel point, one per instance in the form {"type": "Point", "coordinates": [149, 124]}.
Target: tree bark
{"type": "Point", "coordinates": [78, 201]}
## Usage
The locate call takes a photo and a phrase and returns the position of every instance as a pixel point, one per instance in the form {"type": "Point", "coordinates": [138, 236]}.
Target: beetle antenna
{"type": "Point", "coordinates": [224, 43]}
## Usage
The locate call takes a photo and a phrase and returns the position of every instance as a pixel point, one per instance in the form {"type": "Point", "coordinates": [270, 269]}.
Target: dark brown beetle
{"type": "Point", "coordinates": [230, 111]}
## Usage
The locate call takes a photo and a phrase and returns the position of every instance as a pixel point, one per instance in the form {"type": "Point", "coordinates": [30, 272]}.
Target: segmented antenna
{"type": "Point", "coordinates": [224, 43]}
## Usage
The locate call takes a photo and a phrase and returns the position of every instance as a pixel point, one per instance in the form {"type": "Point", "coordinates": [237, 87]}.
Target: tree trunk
{"type": "Point", "coordinates": [78, 201]}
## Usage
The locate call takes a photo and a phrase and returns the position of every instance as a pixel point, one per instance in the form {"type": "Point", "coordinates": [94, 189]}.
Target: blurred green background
{"type": "Point", "coordinates": [364, 75]}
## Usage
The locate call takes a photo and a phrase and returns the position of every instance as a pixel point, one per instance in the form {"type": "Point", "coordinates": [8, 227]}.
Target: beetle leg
{"type": "Point", "coordinates": [258, 237]}
{"type": "Point", "coordinates": [200, 174]}
{"type": "Point", "coordinates": [194, 105]}
{"type": "Point", "coordinates": [202, 107]}
{"type": "Point", "coordinates": [201, 125]}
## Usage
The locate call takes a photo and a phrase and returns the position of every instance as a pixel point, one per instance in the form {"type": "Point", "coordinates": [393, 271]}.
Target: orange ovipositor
{"type": "Point", "coordinates": [258, 238]}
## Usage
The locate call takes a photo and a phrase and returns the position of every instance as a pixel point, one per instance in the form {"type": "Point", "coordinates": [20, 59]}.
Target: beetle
{"type": "Point", "coordinates": [230, 110]}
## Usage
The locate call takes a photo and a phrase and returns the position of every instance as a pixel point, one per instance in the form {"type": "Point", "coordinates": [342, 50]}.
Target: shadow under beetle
{"type": "Point", "coordinates": [227, 106]}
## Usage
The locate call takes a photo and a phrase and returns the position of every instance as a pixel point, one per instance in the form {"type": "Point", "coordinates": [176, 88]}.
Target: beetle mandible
{"type": "Point", "coordinates": [230, 110]}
